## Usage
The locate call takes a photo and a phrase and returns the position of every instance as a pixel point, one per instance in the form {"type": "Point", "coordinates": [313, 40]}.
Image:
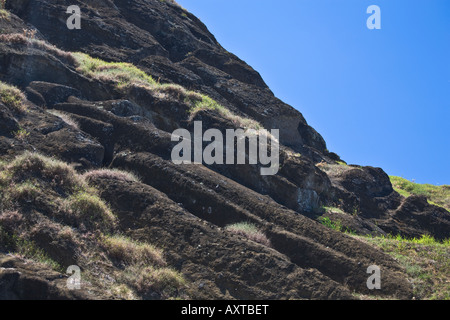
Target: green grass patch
{"type": "Point", "coordinates": [436, 195]}
{"type": "Point", "coordinates": [121, 73]}
{"type": "Point", "coordinates": [21, 134]}
{"type": "Point", "coordinates": [332, 224]}
{"type": "Point", "coordinates": [206, 103]}
{"type": "Point", "coordinates": [124, 75]}
{"type": "Point", "coordinates": [335, 224]}
{"type": "Point", "coordinates": [426, 262]}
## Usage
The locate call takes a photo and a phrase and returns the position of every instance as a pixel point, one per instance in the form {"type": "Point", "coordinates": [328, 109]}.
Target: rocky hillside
{"type": "Point", "coordinates": [87, 179]}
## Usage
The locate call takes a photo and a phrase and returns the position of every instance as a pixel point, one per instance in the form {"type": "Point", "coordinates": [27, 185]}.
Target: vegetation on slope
{"type": "Point", "coordinates": [426, 261]}
{"type": "Point", "coordinates": [4, 14]}
{"type": "Point", "coordinates": [12, 97]}
{"type": "Point", "coordinates": [50, 214]}
{"type": "Point", "coordinates": [250, 231]}
{"type": "Point", "coordinates": [124, 75]}
{"type": "Point", "coordinates": [437, 195]}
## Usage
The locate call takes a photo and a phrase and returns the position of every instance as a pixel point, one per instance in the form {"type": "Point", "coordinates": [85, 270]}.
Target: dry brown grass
{"type": "Point", "coordinates": [28, 38]}
{"type": "Point", "coordinates": [115, 174]}
{"type": "Point", "coordinates": [12, 97]}
{"type": "Point", "coordinates": [164, 281]}
{"type": "Point", "coordinates": [249, 231]}
{"type": "Point", "coordinates": [64, 117]}
{"type": "Point", "coordinates": [131, 252]}
{"type": "Point", "coordinates": [43, 195]}
{"type": "Point", "coordinates": [34, 166]}
{"type": "Point", "coordinates": [32, 174]}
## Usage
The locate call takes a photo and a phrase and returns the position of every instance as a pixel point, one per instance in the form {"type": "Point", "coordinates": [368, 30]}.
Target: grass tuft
{"type": "Point", "coordinates": [12, 97]}
{"type": "Point", "coordinates": [250, 231]}
{"type": "Point", "coordinates": [4, 14]}
{"type": "Point", "coordinates": [115, 174]}
{"type": "Point", "coordinates": [164, 281]}
{"type": "Point", "coordinates": [332, 224]}
{"type": "Point", "coordinates": [426, 262]}
{"type": "Point", "coordinates": [28, 38]}
{"type": "Point", "coordinates": [121, 73]}
{"type": "Point", "coordinates": [36, 166]}
{"type": "Point", "coordinates": [88, 208]}
{"type": "Point", "coordinates": [131, 252]}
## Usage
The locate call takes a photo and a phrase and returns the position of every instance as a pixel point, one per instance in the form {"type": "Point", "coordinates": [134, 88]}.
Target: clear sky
{"type": "Point", "coordinates": [378, 97]}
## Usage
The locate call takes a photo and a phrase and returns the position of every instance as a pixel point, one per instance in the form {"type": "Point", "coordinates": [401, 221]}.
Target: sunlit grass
{"type": "Point", "coordinates": [249, 231]}
{"type": "Point", "coordinates": [128, 251]}
{"type": "Point", "coordinates": [124, 75]}
{"type": "Point", "coordinates": [437, 195]}
{"type": "Point", "coordinates": [12, 97]}
{"type": "Point", "coordinates": [426, 262]}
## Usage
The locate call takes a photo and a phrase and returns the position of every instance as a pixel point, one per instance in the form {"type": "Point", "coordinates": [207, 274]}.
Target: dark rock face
{"type": "Point", "coordinates": [185, 208]}
{"type": "Point", "coordinates": [174, 46]}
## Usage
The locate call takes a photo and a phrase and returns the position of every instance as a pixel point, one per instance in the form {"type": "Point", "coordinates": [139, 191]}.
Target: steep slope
{"type": "Point", "coordinates": [107, 113]}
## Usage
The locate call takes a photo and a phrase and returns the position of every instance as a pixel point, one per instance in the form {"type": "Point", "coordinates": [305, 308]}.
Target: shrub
{"type": "Point", "coordinates": [12, 97]}
{"type": "Point", "coordinates": [250, 231]}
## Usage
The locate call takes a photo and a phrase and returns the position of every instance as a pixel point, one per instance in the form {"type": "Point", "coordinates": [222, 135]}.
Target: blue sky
{"type": "Point", "coordinates": [378, 97]}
